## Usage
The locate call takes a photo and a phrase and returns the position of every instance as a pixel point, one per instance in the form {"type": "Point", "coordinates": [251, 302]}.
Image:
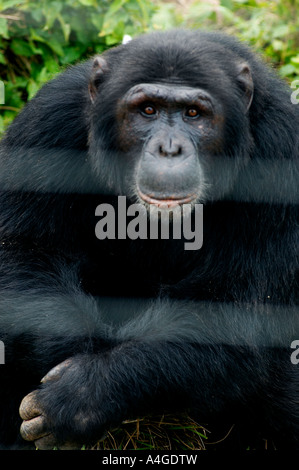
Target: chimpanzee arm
{"type": "Point", "coordinates": [176, 356]}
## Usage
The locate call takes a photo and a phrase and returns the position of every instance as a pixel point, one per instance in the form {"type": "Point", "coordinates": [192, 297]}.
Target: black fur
{"type": "Point", "coordinates": [149, 325]}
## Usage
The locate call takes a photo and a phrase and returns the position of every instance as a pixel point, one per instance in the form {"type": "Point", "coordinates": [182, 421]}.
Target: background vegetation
{"type": "Point", "coordinates": [39, 39]}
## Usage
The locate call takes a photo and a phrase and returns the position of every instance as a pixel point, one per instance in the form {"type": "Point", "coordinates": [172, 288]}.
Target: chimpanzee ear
{"type": "Point", "coordinates": [245, 81]}
{"type": "Point", "coordinates": [99, 68]}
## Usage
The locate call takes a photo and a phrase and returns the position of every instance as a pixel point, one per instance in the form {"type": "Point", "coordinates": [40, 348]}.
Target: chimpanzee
{"type": "Point", "coordinates": [101, 323]}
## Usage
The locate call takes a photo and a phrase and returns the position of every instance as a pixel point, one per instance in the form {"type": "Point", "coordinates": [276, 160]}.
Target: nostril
{"type": "Point", "coordinates": [173, 151]}
{"type": "Point", "coordinates": [176, 150]}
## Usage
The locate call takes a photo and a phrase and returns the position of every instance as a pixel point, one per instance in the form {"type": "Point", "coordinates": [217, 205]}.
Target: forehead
{"type": "Point", "coordinates": [168, 93]}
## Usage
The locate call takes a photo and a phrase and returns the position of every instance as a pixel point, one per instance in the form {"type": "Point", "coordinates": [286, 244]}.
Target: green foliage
{"type": "Point", "coordinates": [271, 27]}
{"type": "Point", "coordinates": [39, 39]}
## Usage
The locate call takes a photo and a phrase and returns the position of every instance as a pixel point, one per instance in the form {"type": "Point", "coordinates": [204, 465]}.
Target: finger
{"type": "Point", "coordinates": [29, 407]}
{"type": "Point", "coordinates": [34, 429]}
{"type": "Point", "coordinates": [46, 443]}
{"type": "Point", "coordinates": [57, 371]}
{"type": "Point", "coordinates": [69, 446]}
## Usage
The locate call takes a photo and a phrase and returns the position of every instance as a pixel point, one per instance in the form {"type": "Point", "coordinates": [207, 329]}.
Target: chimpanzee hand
{"type": "Point", "coordinates": [51, 420]}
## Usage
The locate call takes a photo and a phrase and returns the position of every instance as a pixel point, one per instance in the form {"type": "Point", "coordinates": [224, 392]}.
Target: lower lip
{"type": "Point", "coordinates": [166, 203]}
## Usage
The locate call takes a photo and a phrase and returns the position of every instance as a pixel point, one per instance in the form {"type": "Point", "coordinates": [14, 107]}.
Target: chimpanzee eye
{"type": "Point", "coordinates": [192, 112]}
{"type": "Point", "coordinates": [148, 110]}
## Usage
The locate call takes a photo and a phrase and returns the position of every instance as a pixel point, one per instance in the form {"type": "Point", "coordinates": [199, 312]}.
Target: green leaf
{"type": "Point", "coordinates": [2, 128]}
{"type": "Point", "coordinates": [278, 45]}
{"type": "Point", "coordinates": [112, 40]}
{"type": "Point", "coordinates": [32, 89]}
{"type": "Point", "coordinates": [56, 47]}
{"type": "Point", "coordinates": [21, 82]}
{"type": "Point", "coordinates": [88, 3]}
{"type": "Point", "coordinates": [164, 17]}
{"type": "Point", "coordinates": [4, 5]}
{"type": "Point", "coordinates": [43, 76]}
{"type": "Point", "coordinates": [51, 12]}
{"type": "Point", "coordinates": [115, 6]}
{"type": "Point", "coordinates": [21, 47]}
{"type": "Point", "coordinates": [36, 37]}
{"type": "Point", "coordinates": [37, 15]}
{"type": "Point", "coordinates": [71, 54]}
{"type": "Point", "coordinates": [227, 4]}
{"type": "Point", "coordinates": [280, 31]}
{"type": "Point", "coordinates": [13, 95]}
{"type": "Point", "coordinates": [286, 70]}
{"type": "Point", "coordinates": [144, 11]}
{"type": "Point", "coordinates": [4, 28]}
{"type": "Point", "coordinates": [97, 21]}
{"type": "Point", "coordinates": [51, 65]}
{"type": "Point", "coordinates": [66, 28]}
{"type": "Point", "coordinates": [35, 71]}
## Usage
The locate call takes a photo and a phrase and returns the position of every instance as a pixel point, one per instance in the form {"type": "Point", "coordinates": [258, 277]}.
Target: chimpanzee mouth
{"type": "Point", "coordinates": [168, 201]}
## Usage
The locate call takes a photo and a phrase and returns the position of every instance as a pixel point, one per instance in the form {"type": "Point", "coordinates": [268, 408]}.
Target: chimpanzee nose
{"type": "Point", "coordinates": [170, 147]}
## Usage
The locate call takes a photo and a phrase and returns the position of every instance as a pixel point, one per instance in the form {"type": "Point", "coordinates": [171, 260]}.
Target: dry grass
{"type": "Point", "coordinates": [165, 432]}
